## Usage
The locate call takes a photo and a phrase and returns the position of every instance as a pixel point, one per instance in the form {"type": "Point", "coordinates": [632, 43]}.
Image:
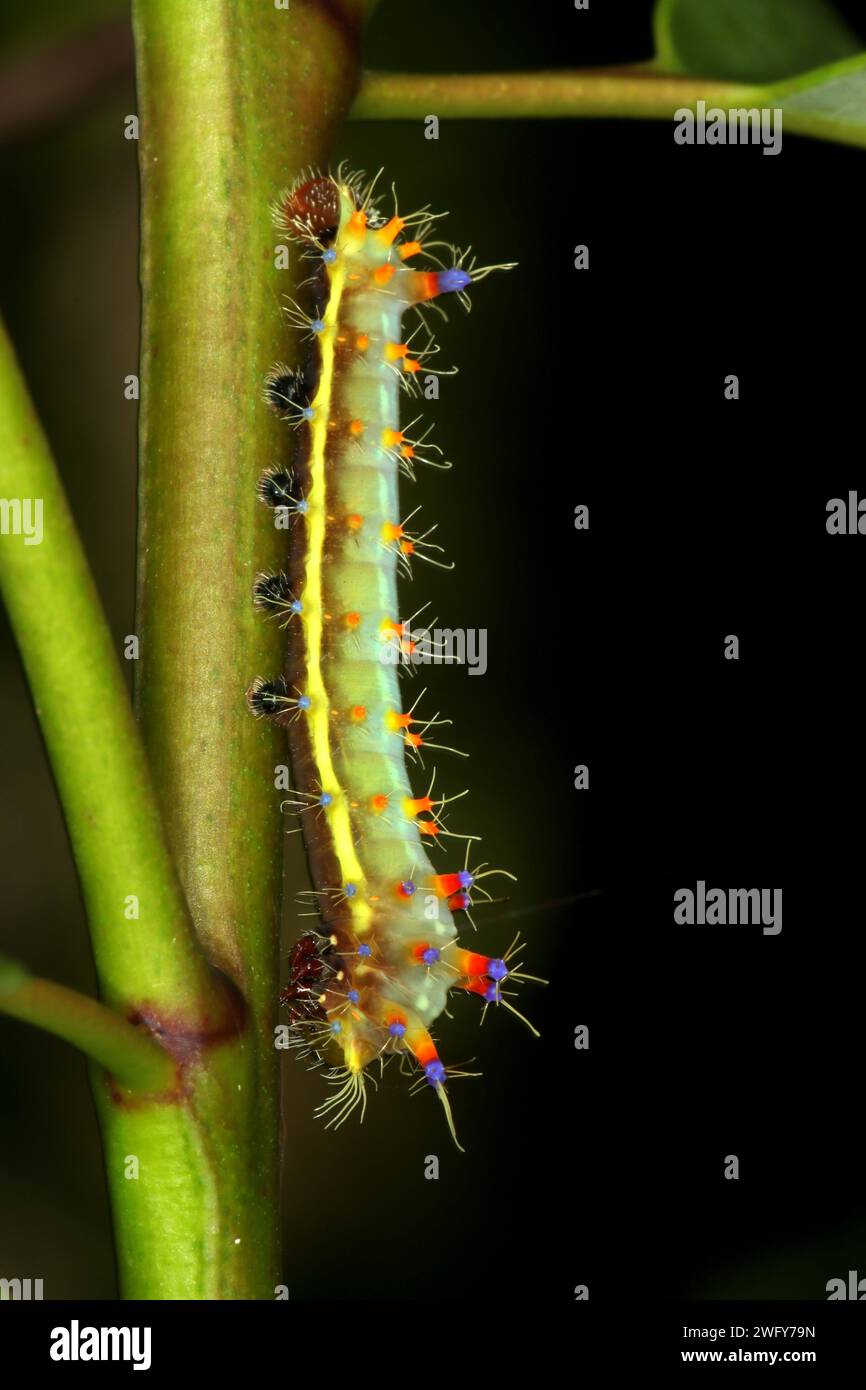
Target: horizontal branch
{"type": "Point", "coordinates": [631, 91]}
{"type": "Point", "coordinates": [101, 1034]}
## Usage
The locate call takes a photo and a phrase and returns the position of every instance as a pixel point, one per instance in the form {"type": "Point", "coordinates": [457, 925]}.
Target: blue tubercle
{"type": "Point", "coordinates": [453, 280]}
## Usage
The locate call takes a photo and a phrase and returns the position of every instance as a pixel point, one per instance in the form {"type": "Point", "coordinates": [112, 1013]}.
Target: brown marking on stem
{"type": "Point", "coordinates": [186, 1039]}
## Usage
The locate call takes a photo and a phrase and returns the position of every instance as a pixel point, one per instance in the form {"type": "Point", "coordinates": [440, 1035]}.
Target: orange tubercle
{"type": "Point", "coordinates": [420, 1043]}
{"type": "Point", "coordinates": [395, 722]}
{"type": "Point", "coordinates": [384, 273]}
{"type": "Point", "coordinates": [390, 231]}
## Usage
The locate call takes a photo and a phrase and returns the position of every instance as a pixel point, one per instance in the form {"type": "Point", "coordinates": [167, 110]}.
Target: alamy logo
{"type": "Point", "coordinates": [738, 126]}
{"type": "Point", "coordinates": [22, 516]}
{"type": "Point", "coordinates": [854, 1288]}
{"type": "Point", "coordinates": [20, 1289]}
{"type": "Point", "coordinates": [846, 518]}
{"type": "Point", "coordinates": [729, 907]}
{"type": "Point", "coordinates": [434, 646]}
{"type": "Point", "coordinates": [76, 1343]}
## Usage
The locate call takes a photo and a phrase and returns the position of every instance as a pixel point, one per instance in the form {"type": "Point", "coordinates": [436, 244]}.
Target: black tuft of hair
{"type": "Point", "coordinates": [285, 389]}
{"type": "Point", "coordinates": [267, 698]}
{"type": "Point", "coordinates": [272, 591]}
{"type": "Point", "coordinates": [279, 488]}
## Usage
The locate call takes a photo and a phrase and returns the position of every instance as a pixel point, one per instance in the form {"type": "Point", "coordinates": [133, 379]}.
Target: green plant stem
{"type": "Point", "coordinates": [236, 97]}
{"type": "Point", "coordinates": [623, 92]}
{"type": "Point", "coordinates": [131, 1057]}
{"type": "Point", "coordinates": [91, 738]}
{"type": "Point", "coordinates": [219, 139]}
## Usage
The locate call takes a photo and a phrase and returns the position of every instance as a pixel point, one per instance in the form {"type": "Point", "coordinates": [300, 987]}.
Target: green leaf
{"type": "Point", "coordinates": [829, 103]}
{"type": "Point", "coordinates": [750, 40]}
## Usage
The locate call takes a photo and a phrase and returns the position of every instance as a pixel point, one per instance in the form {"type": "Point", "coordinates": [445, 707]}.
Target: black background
{"type": "Point", "coordinates": [707, 517]}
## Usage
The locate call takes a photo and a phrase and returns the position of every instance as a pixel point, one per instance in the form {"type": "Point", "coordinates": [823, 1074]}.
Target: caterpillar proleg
{"type": "Point", "coordinates": [368, 984]}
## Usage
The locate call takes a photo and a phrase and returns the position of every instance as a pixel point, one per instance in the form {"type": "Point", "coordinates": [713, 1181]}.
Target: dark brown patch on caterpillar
{"type": "Point", "coordinates": [315, 207]}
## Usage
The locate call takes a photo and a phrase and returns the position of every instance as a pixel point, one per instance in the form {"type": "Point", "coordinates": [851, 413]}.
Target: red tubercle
{"type": "Point", "coordinates": [424, 284]}
{"type": "Point", "coordinates": [418, 950]}
{"type": "Point", "coordinates": [379, 803]}
{"type": "Point", "coordinates": [474, 985]}
{"type": "Point", "coordinates": [422, 1046]}
{"type": "Point", "coordinates": [421, 285]}
{"type": "Point", "coordinates": [459, 902]}
{"type": "Point", "coordinates": [444, 885]}
{"type": "Point", "coordinates": [469, 963]}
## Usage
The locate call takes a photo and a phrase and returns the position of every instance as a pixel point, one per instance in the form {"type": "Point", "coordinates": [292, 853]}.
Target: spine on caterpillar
{"type": "Point", "coordinates": [368, 985]}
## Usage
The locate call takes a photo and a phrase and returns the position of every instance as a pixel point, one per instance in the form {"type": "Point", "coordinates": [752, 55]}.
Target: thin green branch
{"type": "Point", "coordinates": [141, 933]}
{"type": "Point", "coordinates": [235, 98]}
{"type": "Point", "coordinates": [127, 1052]}
{"type": "Point", "coordinates": [631, 92]}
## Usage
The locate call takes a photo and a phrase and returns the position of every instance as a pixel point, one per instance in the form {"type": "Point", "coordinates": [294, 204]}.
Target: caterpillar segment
{"type": "Point", "coordinates": [370, 983]}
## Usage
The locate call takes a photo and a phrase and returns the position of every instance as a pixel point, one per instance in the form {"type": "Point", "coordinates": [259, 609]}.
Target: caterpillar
{"type": "Point", "coordinates": [369, 984]}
